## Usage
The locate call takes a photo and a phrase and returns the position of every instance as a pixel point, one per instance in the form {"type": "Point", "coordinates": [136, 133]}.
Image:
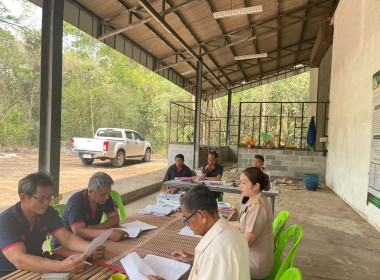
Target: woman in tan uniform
{"type": "Point", "coordinates": [255, 222]}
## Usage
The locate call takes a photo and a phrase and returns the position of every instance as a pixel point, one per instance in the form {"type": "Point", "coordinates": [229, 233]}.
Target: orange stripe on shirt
{"type": "Point", "coordinates": [77, 223]}
{"type": "Point", "coordinates": [10, 246]}
{"type": "Point", "coordinates": [111, 212]}
{"type": "Point", "coordinates": [57, 230]}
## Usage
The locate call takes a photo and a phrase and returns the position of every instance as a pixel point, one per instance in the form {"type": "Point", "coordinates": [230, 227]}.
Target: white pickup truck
{"type": "Point", "coordinates": [115, 144]}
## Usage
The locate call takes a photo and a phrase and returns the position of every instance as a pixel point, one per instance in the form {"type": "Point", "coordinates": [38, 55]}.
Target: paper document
{"type": "Point", "coordinates": [96, 243]}
{"type": "Point", "coordinates": [186, 231]}
{"type": "Point", "coordinates": [158, 210]}
{"type": "Point", "coordinates": [134, 228]}
{"type": "Point", "coordinates": [220, 183]}
{"type": "Point", "coordinates": [139, 269]}
{"type": "Point", "coordinates": [132, 233]}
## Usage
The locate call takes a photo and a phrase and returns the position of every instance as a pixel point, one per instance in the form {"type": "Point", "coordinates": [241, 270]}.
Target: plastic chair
{"type": "Point", "coordinates": [279, 267]}
{"type": "Point", "coordinates": [279, 226]}
{"type": "Point", "coordinates": [116, 196]}
{"type": "Point", "coordinates": [291, 274]}
{"type": "Point", "coordinates": [59, 208]}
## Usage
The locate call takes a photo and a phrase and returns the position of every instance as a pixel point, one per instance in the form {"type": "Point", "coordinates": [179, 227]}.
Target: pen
{"type": "Point", "coordinates": [183, 256]}
{"type": "Point", "coordinates": [74, 258]}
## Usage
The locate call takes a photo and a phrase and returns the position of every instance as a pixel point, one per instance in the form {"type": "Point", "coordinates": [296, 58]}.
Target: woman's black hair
{"type": "Point", "coordinates": [255, 175]}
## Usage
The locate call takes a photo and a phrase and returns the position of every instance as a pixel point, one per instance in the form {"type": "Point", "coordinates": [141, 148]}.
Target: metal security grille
{"type": "Point", "coordinates": [284, 124]}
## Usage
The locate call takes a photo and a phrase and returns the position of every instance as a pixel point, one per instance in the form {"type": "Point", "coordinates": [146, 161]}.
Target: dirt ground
{"type": "Point", "coordinates": [73, 174]}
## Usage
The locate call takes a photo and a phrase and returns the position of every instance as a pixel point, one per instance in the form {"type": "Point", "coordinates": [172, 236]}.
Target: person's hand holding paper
{"type": "Point", "coordinates": [95, 249]}
{"type": "Point", "coordinates": [73, 265]}
{"type": "Point", "coordinates": [117, 235]}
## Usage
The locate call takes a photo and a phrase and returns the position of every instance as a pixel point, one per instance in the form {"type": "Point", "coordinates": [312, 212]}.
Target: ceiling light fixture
{"type": "Point", "coordinates": [251, 56]}
{"type": "Point", "coordinates": [238, 12]}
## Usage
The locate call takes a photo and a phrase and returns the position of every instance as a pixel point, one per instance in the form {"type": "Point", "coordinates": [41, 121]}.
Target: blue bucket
{"type": "Point", "coordinates": [311, 181]}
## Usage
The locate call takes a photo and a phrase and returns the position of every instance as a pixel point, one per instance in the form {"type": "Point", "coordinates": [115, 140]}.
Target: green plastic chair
{"type": "Point", "coordinates": [59, 208]}
{"type": "Point", "coordinates": [291, 274]}
{"type": "Point", "coordinates": [279, 267]}
{"type": "Point", "coordinates": [279, 226]}
{"type": "Point", "coordinates": [116, 196]}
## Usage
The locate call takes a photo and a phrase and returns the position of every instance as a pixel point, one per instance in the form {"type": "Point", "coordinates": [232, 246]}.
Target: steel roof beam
{"type": "Point", "coordinates": [202, 54]}
{"type": "Point", "coordinates": [169, 29]}
{"type": "Point", "coordinates": [212, 8]}
{"type": "Point", "coordinates": [145, 20]}
{"type": "Point", "coordinates": [188, 26]}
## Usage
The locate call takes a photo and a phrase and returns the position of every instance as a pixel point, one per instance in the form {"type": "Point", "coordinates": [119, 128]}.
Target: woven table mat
{"type": "Point", "coordinates": [161, 241]}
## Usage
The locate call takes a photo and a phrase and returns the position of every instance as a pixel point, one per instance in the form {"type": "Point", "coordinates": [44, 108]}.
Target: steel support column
{"type": "Point", "coordinates": [197, 118]}
{"type": "Point", "coordinates": [51, 90]}
{"type": "Point", "coordinates": [228, 139]}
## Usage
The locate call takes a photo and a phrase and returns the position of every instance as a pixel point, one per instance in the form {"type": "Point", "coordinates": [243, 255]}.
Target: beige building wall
{"type": "Point", "coordinates": [355, 58]}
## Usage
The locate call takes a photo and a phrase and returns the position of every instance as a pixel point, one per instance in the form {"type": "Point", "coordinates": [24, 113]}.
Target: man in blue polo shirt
{"type": "Point", "coordinates": [212, 171]}
{"type": "Point", "coordinates": [23, 229]}
{"type": "Point", "coordinates": [178, 169]}
{"type": "Point", "coordinates": [84, 211]}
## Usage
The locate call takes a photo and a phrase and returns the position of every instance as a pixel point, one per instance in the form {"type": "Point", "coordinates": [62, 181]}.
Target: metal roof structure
{"type": "Point", "coordinates": [170, 36]}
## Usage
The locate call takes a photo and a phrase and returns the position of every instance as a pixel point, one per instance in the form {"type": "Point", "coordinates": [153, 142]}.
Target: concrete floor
{"type": "Point", "coordinates": [337, 242]}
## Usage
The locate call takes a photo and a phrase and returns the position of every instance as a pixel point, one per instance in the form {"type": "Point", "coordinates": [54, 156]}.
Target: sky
{"type": "Point", "coordinates": [16, 7]}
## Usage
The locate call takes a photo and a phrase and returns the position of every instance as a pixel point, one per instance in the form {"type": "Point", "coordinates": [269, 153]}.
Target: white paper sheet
{"type": "Point", "coordinates": [186, 231]}
{"type": "Point", "coordinates": [132, 233]}
{"type": "Point", "coordinates": [135, 267]}
{"type": "Point", "coordinates": [139, 269]}
{"type": "Point", "coordinates": [167, 268]}
{"type": "Point", "coordinates": [158, 210]}
{"type": "Point", "coordinates": [134, 228]}
{"type": "Point", "coordinates": [138, 225]}
{"type": "Point", "coordinates": [96, 243]}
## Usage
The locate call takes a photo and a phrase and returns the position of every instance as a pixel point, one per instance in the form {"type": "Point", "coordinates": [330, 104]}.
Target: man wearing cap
{"type": "Point", "coordinates": [178, 169]}
{"type": "Point", "coordinates": [24, 226]}
{"type": "Point", "coordinates": [258, 161]}
{"type": "Point", "coordinates": [84, 211]}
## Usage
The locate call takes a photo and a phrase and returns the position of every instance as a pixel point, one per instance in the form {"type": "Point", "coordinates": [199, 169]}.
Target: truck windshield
{"type": "Point", "coordinates": [109, 133]}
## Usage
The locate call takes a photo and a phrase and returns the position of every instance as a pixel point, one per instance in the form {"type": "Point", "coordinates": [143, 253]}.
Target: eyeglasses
{"type": "Point", "coordinates": [186, 221]}
{"type": "Point", "coordinates": [42, 199]}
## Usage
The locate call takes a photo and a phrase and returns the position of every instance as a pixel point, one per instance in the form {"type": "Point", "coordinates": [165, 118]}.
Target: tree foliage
{"type": "Point", "coordinates": [101, 88]}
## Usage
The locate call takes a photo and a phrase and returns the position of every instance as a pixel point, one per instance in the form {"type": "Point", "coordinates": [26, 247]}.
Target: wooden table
{"type": "Point", "coordinates": [92, 272]}
{"type": "Point", "coordinates": [161, 241]}
{"type": "Point", "coordinates": [272, 193]}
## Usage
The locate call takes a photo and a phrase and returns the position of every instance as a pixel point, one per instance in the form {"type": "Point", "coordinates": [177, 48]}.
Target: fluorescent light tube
{"type": "Point", "coordinates": [251, 56]}
{"type": "Point", "coordinates": [238, 12]}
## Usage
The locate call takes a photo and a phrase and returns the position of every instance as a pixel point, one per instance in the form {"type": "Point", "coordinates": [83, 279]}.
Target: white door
{"type": "Point", "coordinates": [130, 146]}
{"type": "Point", "coordinates": [139, 144]}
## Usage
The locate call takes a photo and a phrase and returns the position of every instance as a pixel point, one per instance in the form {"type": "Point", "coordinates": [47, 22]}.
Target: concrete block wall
{"type": "Point", "coordinates": [286, 163]}
{"type": "Point", "coordinates": [186, 149]}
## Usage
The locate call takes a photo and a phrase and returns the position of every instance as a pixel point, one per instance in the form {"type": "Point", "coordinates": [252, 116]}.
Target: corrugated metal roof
{"type": "Point", "coordinates": [285, 29]}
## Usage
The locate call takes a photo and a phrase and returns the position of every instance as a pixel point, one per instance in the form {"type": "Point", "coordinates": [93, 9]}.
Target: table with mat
{"type": "Point", "coordinates": [216, 187]}
{"type": "Point", "coordinates": [161, 242]}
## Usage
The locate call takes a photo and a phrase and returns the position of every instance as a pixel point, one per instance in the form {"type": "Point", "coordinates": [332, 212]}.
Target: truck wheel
{"type": "Point", "coordinates": [147, 155]}
{"type": "Point", "coordinates": [119, 160]}
{"type": "Point", "coordinates": [87, 161]}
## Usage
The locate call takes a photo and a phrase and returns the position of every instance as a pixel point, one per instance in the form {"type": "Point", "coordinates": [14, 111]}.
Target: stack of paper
{"type": "Point", "coordinates": [134, 228]}
{"type": "Point", "coordinates": [139, 269]}
{"type": "Point", "coordinates": [186, 231]}
{"type": "Point", "coordinates": [159, 209]}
